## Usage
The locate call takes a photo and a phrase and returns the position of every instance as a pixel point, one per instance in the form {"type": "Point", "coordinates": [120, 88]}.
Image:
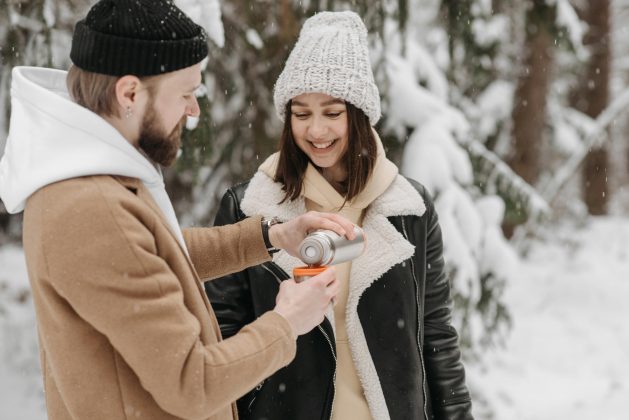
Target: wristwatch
{"type": "Point", "coordinates": [266, 225]}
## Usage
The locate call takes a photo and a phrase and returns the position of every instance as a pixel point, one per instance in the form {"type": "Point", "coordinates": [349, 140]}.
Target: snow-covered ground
{"type": "Point", "coordinates": [21, 395]}
{"type": "Point", "coordinates": [566, 356]}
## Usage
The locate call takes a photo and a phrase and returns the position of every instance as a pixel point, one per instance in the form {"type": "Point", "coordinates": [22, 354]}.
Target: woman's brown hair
{"type": "Point", "coordinates": [359, 158]}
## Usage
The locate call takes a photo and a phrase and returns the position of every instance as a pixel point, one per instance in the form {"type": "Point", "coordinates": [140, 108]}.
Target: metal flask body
{"type": "Point", "coordinates": [326, 247]}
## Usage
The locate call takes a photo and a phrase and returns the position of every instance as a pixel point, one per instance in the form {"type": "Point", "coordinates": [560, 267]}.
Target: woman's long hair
{"type": "Point", "coordinates": [359, 158]}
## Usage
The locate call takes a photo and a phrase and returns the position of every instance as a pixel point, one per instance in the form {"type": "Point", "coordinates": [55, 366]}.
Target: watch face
{"type": "Point", "coordinates": [272, 221]}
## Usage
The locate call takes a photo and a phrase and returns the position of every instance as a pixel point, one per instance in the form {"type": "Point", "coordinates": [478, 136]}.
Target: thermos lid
{"type": "Point", "coordinates": [311, 250]}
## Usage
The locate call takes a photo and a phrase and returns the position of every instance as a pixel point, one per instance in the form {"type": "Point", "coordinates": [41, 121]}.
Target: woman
{"type": "Point", "coordinates": [387, 350]}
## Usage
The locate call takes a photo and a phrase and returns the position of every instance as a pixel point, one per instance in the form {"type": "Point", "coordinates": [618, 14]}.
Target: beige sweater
{"type": "Point", "coordinates": [349, 402]}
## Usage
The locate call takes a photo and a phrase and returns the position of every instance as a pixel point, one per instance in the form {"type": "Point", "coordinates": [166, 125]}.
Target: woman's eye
{"type": "Point", "coordinates": [333, 114]}
{"type": "Point", "coordinates": [300, 115]}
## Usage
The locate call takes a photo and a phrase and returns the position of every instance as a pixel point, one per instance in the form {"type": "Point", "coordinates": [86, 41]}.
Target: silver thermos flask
{"type": "Point", "coordinates": [326, 247]}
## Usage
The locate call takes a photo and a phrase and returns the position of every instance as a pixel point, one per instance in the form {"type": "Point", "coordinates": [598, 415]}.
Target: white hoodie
{"type": "Point", "coordinates": [51, 138]}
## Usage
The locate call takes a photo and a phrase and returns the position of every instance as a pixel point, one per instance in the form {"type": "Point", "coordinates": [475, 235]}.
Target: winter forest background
{"type": "Point", "coordinates": [512, 113]}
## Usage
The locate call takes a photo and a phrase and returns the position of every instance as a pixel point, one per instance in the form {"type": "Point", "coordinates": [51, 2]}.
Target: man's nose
{"type": "Point", "coordinates": [193, 109]}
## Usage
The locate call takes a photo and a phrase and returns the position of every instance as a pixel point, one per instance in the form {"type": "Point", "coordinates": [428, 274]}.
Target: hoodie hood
{"type": "Point", "coordinates": [52, 138]}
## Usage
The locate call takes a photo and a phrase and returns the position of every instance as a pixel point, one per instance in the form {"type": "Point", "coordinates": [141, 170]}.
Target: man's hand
{"type": "Point", "coordinates": [304, 304]}
{"type": "Point", "coordinates": [289, 235]}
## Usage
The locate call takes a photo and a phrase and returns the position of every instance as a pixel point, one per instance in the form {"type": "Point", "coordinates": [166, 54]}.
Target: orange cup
{"type": "Point", "coordinates": [304, 273]}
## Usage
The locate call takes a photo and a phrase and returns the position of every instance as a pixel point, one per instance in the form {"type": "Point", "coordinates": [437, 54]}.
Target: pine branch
{"type": "Point", "coordinates": [595, 139]}
{"type": "Point", "coordinates": [501, 177]}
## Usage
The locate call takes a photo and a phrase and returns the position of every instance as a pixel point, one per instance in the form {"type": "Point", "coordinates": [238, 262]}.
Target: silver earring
{"type": "Point", "coordinates": [128, 113]}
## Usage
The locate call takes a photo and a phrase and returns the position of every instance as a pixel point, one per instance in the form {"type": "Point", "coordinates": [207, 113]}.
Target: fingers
{"type": "Point", "coordinates": [333, 290]}
{"type": "Point", "coordinates": [326, 278]}
{"type": "Point", "coordinates": [346, 225]}
{"type": "Point", "coordinates": [330, 284]}
{"type": "Point", "coordinates": [334, 222]}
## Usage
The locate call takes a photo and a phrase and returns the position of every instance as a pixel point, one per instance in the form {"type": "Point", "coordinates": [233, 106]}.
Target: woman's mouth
{"type": "Point", "coordinates": [323, 145]}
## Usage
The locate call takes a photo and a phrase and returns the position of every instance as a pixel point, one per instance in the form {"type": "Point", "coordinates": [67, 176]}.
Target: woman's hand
{"type": "Point", "coordinates": [288, 235]}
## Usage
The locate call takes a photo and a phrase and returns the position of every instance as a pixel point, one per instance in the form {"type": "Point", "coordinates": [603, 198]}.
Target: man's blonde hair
{"type": "Point", "coordinates": [97, 92]}
{"type": "Point", "coordinates": [94, 91]}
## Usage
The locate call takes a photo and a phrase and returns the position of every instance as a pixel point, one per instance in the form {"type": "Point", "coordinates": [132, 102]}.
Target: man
{"type": "Point", "coordinates": [125, 329]}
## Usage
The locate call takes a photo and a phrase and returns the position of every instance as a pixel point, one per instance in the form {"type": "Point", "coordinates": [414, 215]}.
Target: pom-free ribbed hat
{"type": "Point", "coordinates": [331, 56]}
{"type": "Point", "coordinates": [138, 37]}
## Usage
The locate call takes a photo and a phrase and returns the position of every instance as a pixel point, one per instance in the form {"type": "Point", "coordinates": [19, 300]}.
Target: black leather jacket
{"type": "Point", "coordinates": [406, 320]}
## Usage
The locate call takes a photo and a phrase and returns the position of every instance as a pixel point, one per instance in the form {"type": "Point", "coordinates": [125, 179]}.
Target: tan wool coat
{"type": "Point", "coordinates": [125, 329]}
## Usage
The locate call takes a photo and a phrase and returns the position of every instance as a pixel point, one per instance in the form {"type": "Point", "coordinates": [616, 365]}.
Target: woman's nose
{"type": "Point", "coordinates": [317, 128]}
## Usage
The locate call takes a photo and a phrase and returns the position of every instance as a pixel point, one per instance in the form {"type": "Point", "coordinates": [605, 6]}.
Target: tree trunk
{"type": "Point", "coordinates": [529, 110]}
{"type": "Point", "coordinates": [594, 98]}
{"type": "Point", "coordinates": [529, 104]}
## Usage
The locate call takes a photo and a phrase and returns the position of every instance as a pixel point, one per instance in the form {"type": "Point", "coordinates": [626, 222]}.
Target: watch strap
{"type": "Point", "coordinates": [266, 225]}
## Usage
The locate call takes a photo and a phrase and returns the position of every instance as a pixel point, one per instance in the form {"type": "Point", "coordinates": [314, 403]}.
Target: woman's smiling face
{"type": "Point", "coordinates": [319, 126]}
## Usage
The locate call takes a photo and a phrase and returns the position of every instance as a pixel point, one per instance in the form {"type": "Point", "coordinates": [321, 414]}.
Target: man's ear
{"type": "Point", "coordinates": [127, 88]}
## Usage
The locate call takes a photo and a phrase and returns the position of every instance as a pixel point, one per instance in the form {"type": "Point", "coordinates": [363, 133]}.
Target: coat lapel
{"type": "Point", "coordinates": [386, 247]}
{"type": "Point", "coordinates": [145, 195]}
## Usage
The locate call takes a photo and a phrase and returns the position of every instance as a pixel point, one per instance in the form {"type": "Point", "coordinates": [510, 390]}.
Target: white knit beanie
{"type": "Point", "coordinates": [331, 56]}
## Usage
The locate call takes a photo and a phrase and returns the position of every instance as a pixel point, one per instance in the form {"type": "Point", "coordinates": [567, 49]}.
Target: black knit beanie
{"type": "Point", "coordinates": [138, 37]}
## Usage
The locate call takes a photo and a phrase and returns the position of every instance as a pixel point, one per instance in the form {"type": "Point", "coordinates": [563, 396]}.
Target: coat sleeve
{"type": "Point", "coordinates": [445, 373]}
{"type": "Point", "coordinates": [230, 295]}
{"type": "Point", "coordinates": [107, 268]}
{"type": "Point", "coordinates": [218, 251]}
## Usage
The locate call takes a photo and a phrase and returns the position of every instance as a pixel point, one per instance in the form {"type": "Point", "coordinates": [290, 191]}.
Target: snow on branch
{"type": "Point", "coordinates": [595, 139]}
{"type": "Point", "coordinates": [25, 22]}
{"type": "Point", "coordinates": [567, 18]}
{"type": "Point", "coordinates": [504, 180]}
{"type": "Point", "coordinates": [206, 13]}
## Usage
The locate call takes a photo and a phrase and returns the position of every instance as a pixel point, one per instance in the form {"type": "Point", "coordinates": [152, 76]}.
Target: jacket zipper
{"type": "Point", "coordinates": [327, 338]}
{"type": "Point", "coordinates": [335, 363]}
{"type": "Point", "coordinates": [255, 395]}
{"type": "Point", "coordinates": [419, 346]}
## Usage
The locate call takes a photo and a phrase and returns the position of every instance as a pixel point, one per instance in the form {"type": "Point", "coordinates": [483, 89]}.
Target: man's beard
{"type": "Point", "coordinates": [161, 148]}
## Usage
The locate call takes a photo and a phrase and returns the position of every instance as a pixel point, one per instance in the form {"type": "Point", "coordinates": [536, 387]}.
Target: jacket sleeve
{"type": "Point", "coordinates": [107, 268]}
{"type": "Point", "coordinates": [230, 295]}
{"type": "Point", "coordinates": [218, 251]}
{"type": "Point", "coordinates": [445, 373]}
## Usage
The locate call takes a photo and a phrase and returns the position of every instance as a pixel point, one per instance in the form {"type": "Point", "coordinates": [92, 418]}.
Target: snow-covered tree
{"type": "Point", "coordinates": [32, 33]}
{"type": "Point", "coordinates": [424, 111]}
